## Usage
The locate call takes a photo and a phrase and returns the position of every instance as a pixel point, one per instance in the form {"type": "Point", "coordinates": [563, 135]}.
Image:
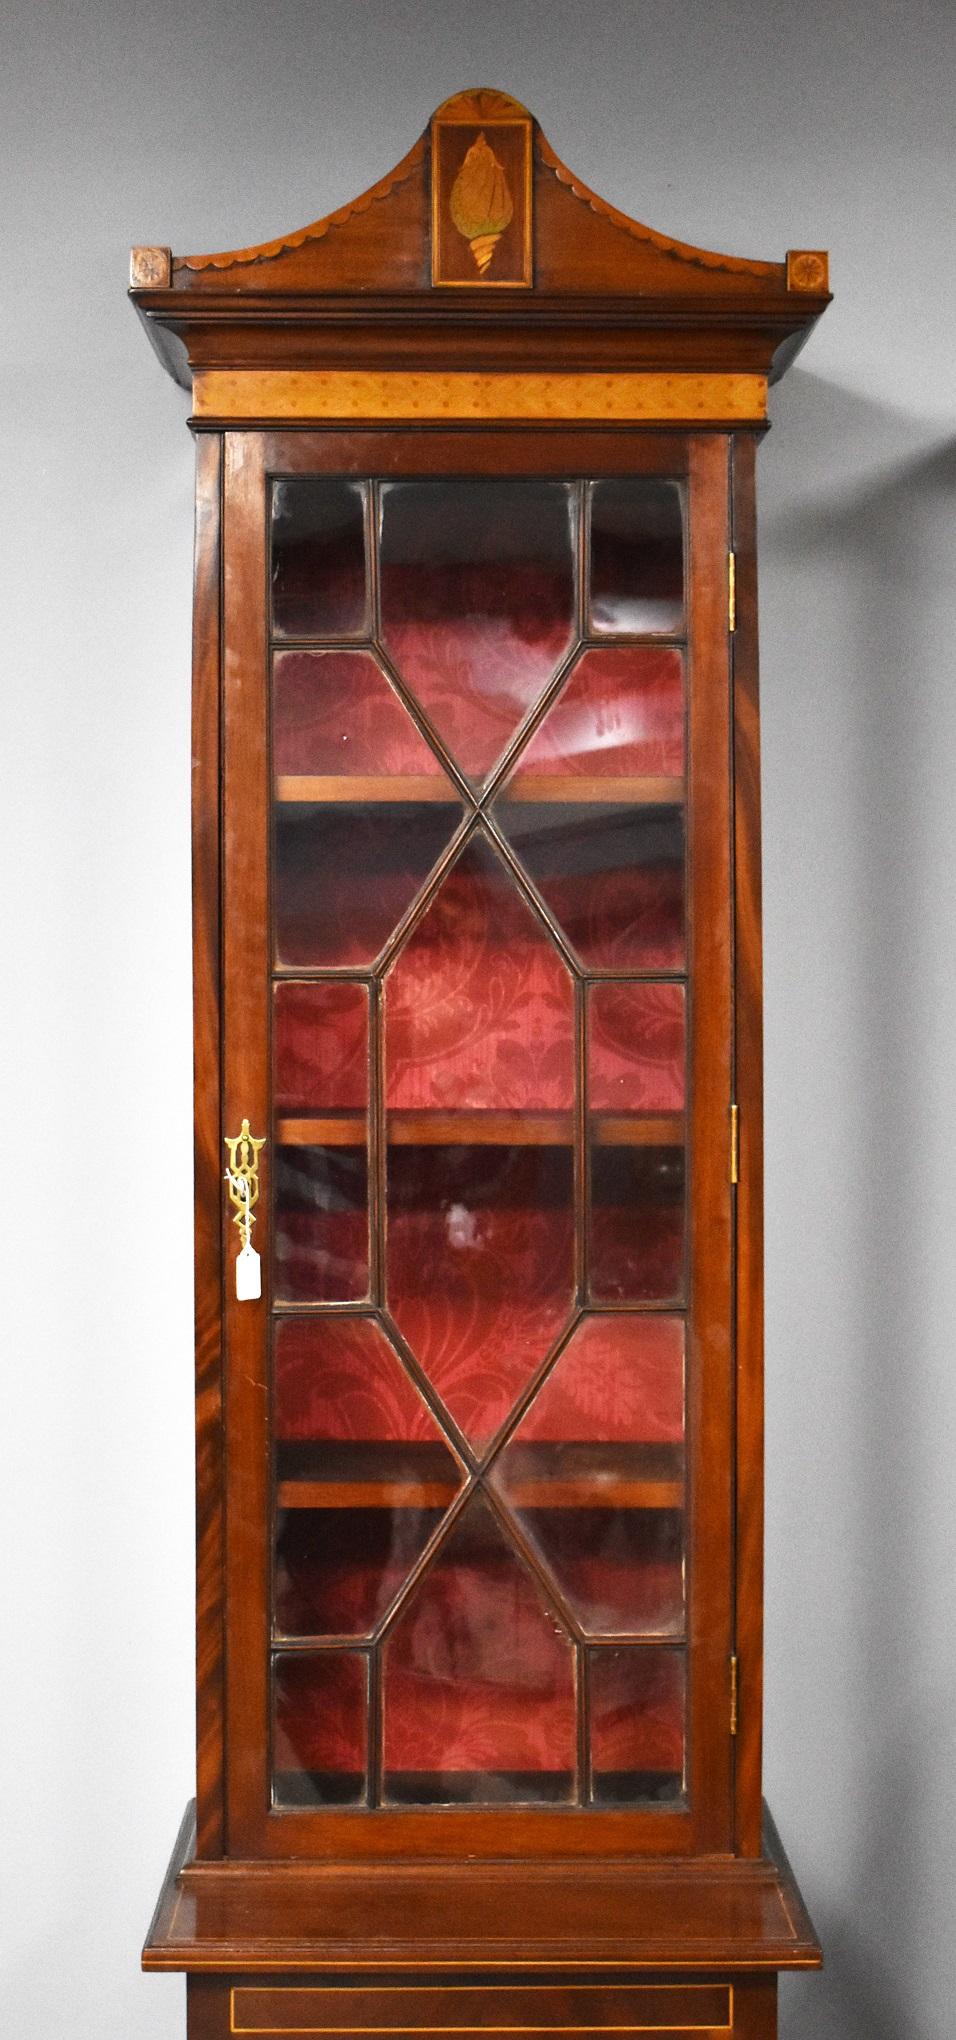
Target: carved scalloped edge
{"type": "Point", "coordinates": [702, 258]}
{"type": "Point", "coordinates": [482, 102]}
{"type": "Point", "coordinates": [268, 250]}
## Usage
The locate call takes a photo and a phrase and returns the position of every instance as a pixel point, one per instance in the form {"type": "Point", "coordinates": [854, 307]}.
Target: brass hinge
{"type": "Point", "coordinates": [731, 591]}
{"type": "Point", "coordinates": [733, 1696]}
{"type": "Point", "coordinates": [734, 1143]}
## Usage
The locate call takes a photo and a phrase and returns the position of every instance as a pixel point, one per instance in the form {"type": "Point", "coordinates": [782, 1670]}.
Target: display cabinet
{"type": "Point", "coordinates": [478, 1113]}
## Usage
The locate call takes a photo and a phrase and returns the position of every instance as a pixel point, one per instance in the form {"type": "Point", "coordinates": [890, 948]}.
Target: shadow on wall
{"type": "Point", "coordinates": [865, 506]}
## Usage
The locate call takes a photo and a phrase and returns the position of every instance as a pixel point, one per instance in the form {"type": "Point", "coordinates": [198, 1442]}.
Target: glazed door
{"type": "Point", "coordinates": [477, 970]}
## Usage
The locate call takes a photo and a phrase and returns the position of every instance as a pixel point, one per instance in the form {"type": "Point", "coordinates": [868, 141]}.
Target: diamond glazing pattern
{"type": "Point", "coordinates": [479, 811]}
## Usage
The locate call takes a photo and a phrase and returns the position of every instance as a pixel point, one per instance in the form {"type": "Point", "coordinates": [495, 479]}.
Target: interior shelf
{"type": "Point", "coordinates": [486, 1129]}
{"type": "Point", "coordinates": [553, 1475]}
{"type": "Point", "coordinates": [565, 1475]}
{"type": "Point", "coordinates": [364, 1474]}
{"type": "Point", "coordinates": [552, 788]}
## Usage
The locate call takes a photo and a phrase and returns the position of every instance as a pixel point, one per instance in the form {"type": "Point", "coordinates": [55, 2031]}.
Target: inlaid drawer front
{"type": "Point", "coordinates": [475, 2009]}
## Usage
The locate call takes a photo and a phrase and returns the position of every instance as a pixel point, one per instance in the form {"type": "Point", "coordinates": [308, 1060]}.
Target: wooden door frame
{"type": "Point", "coordinates": [250, 1828]}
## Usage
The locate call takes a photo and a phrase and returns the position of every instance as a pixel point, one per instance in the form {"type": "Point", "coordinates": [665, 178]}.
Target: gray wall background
{"type": "Point", "coordinates": [748, 127]}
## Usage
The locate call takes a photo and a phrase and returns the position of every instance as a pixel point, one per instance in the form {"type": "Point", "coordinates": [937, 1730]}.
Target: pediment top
{"type": "Point", "coordinates": [483, 223]}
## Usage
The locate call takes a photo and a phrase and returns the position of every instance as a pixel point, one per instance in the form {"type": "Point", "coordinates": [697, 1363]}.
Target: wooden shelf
{"type": "Point", "coordinates": [561, 1475]}
{"type": "Point", "coordinates": [366, 791]}
{"type": "Point", "coordinates": [552, 789]}
{"type": "Point", "coordinates": [573, 1476]}
{"type": "Point", "coordinates": [660, 791]}
{"type": "Point", "coordinates": [486, 1129]}
{"type": "Point", "coordinates": [365, 1475]}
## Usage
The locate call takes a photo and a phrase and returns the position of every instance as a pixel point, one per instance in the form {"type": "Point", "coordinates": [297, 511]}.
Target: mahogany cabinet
{"type": "Point", "coordinates": [478, 1113]}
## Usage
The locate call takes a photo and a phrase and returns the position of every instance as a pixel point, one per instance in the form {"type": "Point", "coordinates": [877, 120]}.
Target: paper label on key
{"type": "Point", "coordinates": [248, 1275]}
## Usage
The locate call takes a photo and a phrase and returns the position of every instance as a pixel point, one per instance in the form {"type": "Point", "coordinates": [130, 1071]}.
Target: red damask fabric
{"type": "Point", "coordinates": [321, 1713]}
{"type": "Point", "coordinates": [620, 713]}
{"type": "Point", "coordinates": [477, 599]}
{"type": "Point", "coordinates": [480, 1268]}
{"type": "Point", "coordinates": [637, 1710]}
{"type": "Point", "coordinates": [346, 875]}
{"type": "Point", "coordinates": [320, 1047]}
{"type": "Point", "coordinates": [335, 714]}
{"type": "Point", "coordinates": [477, 1675]}
{"type": "Point", "coordinates": [339, 1378]}
{"type": "Point", "coordinates": [479, 1007]}
{"type": "Point", "coordinates": [637, 1047]}
{"type": "Point", "coordinates": [619, 1381]}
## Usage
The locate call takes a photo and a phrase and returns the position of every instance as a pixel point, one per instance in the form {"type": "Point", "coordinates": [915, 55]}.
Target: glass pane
{"type": "Point", "coordinates": [320, 1048]}
{"type": "Point", "coordinates": [636, 1093]}
{"type": "Point", "coordinates": [346, 875]}
{"type": "Point", "coordinates": [618, 1385]}
{"type": "Point", "coordinates": [320, 1729]}
{"type": "Point", "coordinates": [363, 1475]}
{"type": "Point", "coordinates": [618, 1571]}
{"type": "Point", "coordinates": [480, 1252]}
{"type": "Point", "coordinates": [318, 558]}
{"type": "Point", "coordinates": [637, 557]}
{"type": "Point", "coordinates": [479, 1005]}
{"type": "Point", "coordinates": [335, 716]}
{"type": "Point", "coordinates": [618, 717]}
{"type": "Point", "coordinates": [479, 1693]}
{"type": "Point", "coordinates": [638, 1703]}
{"type": "Point", "coordinates": [637, 1049]}
{"type": "Point", "coordinates": [637, 1225]}
{"type": "Point", "coordinates": [338, 1380]}
{"type": "Point", "coordinates": [477, 602]}
{"type": "Point", "coordinates": [613, 877]}
{"type": "Point", "coordinates": [339, 1570]}
{"type": "Point", "coordinates": [479, 1090]}
{"type": "Point", "coordinates": [363, 808]}
{"type": "Point", "coordinates": [595, 1474]}
{"type": "Point", "coordinates": [593, 808]}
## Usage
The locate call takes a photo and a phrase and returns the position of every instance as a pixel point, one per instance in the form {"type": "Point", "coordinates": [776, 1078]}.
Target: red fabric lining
{"type": "Point", "coordinates": [480, 1268]}
{"type": "Point", "coordinates": [477, 603]}
{"type": "Point", "coordinates": [476, 1672]}
{"type": "Point", "coordinates": [321, 1713]}
{"type": "Point", "coordinates": [336, 714]}
{"type": "Point", "coordinates": [340, 1378]}
{"type": "Point", "coordinates": [320, 1047]}
{"type": "Point", "coordinates": [637, 1710]}
{"type": "Point", "coordinates": [636, 1047]}
{"type": "Point", "coordinates": [619, 713]}
{"type": "Point", "coordinates": [637, 1717]}
{"type": "Point", "coordinates": [479, 1010]}
{"type": "Point", "coordinates": [619, 1381]}
{"type": "Point", "coordinates": [321, 1249]}
{"type": "Point", "coordinates": [345, 875]}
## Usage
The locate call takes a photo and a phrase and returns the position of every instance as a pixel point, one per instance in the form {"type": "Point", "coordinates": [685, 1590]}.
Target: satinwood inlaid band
{"type": "Point", "coordinates": [491, 397]}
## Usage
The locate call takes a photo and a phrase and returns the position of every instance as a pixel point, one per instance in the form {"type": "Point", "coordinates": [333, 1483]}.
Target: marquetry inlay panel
{"type": "Point", "coordinates": [342, 394]}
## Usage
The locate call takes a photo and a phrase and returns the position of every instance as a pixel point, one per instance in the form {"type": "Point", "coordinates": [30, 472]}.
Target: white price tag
{"type": "Point", "coordinates": [248, 1275]}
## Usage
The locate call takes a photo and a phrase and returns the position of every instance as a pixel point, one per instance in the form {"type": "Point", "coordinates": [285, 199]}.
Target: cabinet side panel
{"type": "Point", "coordinates": [749, 1092]}
{"type": "Point", "coordinates": [245, 1095]}
{"type": "Point", "coordinates": [206, 1163]}
{"type": "Point", "coordinates": [710, 1328]}
{"type": "Point", "coordinates": [207, 2007]}
{"type": "Point", "coordinates": [755, 2008]}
